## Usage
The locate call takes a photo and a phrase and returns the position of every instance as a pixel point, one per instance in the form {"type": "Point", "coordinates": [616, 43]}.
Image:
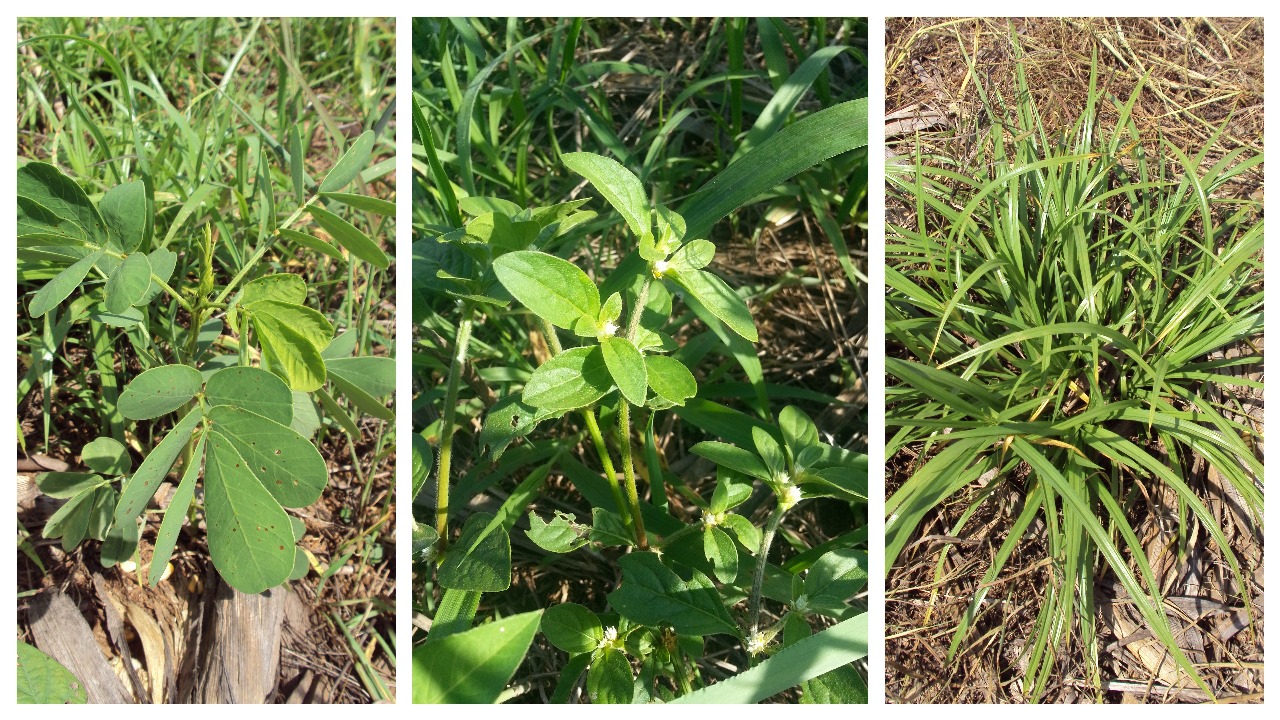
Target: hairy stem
{"type": "Point", "coordinates": [593, 427]}
{"type": "Point", "coordinates": [446, 427]}
{"type": "Point", "coordinates": [629, 471]}
{"type": "Point", "coordinates": [762, 560]}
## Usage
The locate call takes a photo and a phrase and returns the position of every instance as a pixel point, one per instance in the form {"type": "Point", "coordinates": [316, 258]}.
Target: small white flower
{"type": "Point", "coordinates": [711, 519]}
{"type": "Point", "coordinates": [756, 643]}
{"type": "Point", "coordinates": [660, 268]}
{"type": "Point", "coordinates": [801, 605]}
{"type": "Point", "coordinates": [782, 478]}
{"type": "Point", "coordinates": [609, 329]}
{"type": "Point", "coordinates": [789, 497]}
{"type": "Point", "coordinates": [610, 637]}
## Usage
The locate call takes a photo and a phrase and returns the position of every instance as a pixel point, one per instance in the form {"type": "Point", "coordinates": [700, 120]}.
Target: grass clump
{"type": "Point", "coordinates": [1076, 319]}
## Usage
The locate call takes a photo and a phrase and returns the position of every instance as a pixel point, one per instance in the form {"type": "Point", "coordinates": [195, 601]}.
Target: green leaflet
{"type": "Point", "coordinates": [174, 515]}
{"type": "Point", "coordinates": [480, 560]}
{"type": "Point", "coordinates": [252, 389]}
{"type": "Point", "coordinates": [128, 283]}
{"type": "Point", "coordinates": [651, 594]}
{"type": "Point", "coordinates": [575, 378]}
{"type": "Point", "coordinates": [106, 455]}
{"type": "Point", "coordinates": [62, 285]}
{"type": "Point", "coordinates": [292, 338]}
{"type": "Point", "coordinates": [554, 289]}
{"type": "Point", "coordinates": [627, 367]}
{"type": "Point", "coordinates": [37, 225]}
{"type": "Point", "coordinates": [572, 628]}
{"type": "Point", "coordinates": [609, 679]}
{"type": "Point", "coordinates": [838, 645]}
{"type": "Point", "coordinates": [770, 451]}
{"type": "Point", "coordinates": [250, 540]}
{"type": "Point", "coordinates": [286, 464]}
{"type": "Point", "coordinates": [719, 299]}
{"type": "Point", "coordinates": [138, 489]}
{"type": "Point", "coordinates": [472, 666]}
{"type": "Point", "coordinates": [124, 210]}
{"type": "Point", "coordinates": [618, 186]}
{"type": "Point", "coordinates": [350, 164]}
{"type": "Point", "coordinates": [44, 681]}
{"type": "Point", "coordinates": [160, 391]}
{"type": "Point", "coordinates": [733, 457]}
{"type": "Point", "coordinates": [718, 548]}
{"type": "Point", "coordinates": [47, 186]}
{"type": "Point", "coordinates": [350, 237]}
{"type": "Point", "coordinates": [836, 576]}
{"type": "Point", "coordinates": [670, 379]}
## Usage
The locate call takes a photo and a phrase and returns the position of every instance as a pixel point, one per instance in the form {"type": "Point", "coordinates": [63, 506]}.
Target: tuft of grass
{"type": "Point", "coordinates": [1076, 317]}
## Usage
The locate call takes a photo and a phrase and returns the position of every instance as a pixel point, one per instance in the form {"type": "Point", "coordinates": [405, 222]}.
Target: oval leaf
{"type": "Point", "coordinates": [252, 389]}
{"type": "Point", "coordinates": [720, 300]}
{"type": "Point", "coordinates": [62, 285]}
{"type": "Point", "coordinates": [554, 289]}
{"type": "Point", "coordinates": [651, 594]}
{"type": "Point", "coordinates": [159, 391]}
{"type": "Point", "coordinates": [106, 455]}
{"type": "Point", "coordinates": [124, 210]}
{"type": "Point", "coordinates": [670, 379]}
{"type": "Point", "coordinates": [572, 628]}
{"type": "Point", "coordinates": [627, 368]}
{"type": "Point", "coordinates": [128, 283]}
{"type": "Point", "coordinates": [617, 184]}
{"type": "Point", "coordinates": [286, 464]}
{"type": "Point", "coordinates": [575, 378]}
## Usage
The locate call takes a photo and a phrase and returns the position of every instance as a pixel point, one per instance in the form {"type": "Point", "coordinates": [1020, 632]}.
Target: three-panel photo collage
{"type": "Point", "coordinates": [572, 360]}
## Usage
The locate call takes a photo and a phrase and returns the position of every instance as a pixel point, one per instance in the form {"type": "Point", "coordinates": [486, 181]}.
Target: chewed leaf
{"type": "Point", "coordinates": [107, 455]}
{"type": "Point", "coordinates": [159, 391]}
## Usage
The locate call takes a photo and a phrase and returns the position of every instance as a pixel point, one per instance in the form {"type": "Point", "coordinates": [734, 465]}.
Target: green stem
{"type": "Point", "coordinates": [680, 534]}
{"type": "Point", "coordinates": [446, 427]}
{"type": "Point", "coordinates": [606, 460]}
{"type": "Point", "coordinates": [629, 472]}
{"type": "Point", "coordinates": [762, 561]}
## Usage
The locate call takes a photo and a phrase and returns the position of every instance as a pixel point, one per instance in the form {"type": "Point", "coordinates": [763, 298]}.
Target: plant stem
{"type": "Point", "coordinates": [624, 423]}
{"type": "Point", "coordinates": [597, 438]}
{"type": "Point", "coordinates": [629, 471]}
{"type": "Point", "coordinates": [446, 427]}
{"type": "Point", "coordinates": [762, 560]}
{"type": "Point", "coordinates": [261, 251]}
{"type": "Point", "coordinates": [593, 427]}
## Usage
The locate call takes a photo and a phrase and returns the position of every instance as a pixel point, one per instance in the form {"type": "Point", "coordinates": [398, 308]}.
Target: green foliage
{"type": "Point", "coordinates": [1080, 315]}
{"type": "Point", "coordinates": [210, 355]}
{"type": "Point", "coordinates": [44, 681]}
{"type": "Point", "coordinates": [472, 666]}
{"type": "Point", "coordinates": [560, 343]}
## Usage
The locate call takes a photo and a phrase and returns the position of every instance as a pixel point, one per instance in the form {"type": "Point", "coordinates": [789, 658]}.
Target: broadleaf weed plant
{"type": "Point", "coordinates": [208, 282]}
{"type": "Point", "coordinates": [610, 364]}
{"type": "Point", "coordinates": [1075, 318]}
